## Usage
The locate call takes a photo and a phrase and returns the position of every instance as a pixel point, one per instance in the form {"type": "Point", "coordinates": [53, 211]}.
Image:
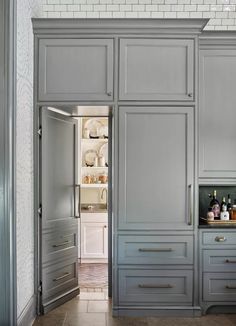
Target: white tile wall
{"type": "Point", "coordinates": [222, 13]}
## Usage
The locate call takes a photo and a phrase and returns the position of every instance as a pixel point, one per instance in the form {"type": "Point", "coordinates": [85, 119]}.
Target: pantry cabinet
{"type": "Point", "coordinates": [156, 69]}
{"type": "Point", "coordinates": [75, 69]}
{"type": "Point", "coordinates": [155, 168]}
{"type": "Point", "coordinates": [217, 135]}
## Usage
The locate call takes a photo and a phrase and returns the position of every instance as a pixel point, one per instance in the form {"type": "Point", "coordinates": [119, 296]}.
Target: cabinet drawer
{"type": "Point", "coordinates": [75, 69]}
{"type": "Point", "coordinates": [155, 286]}
{"type": "Point", "coordinates": [57, 245]}
{"type": "Point", "coordinates": [219, 238]}
{"type": "Point", "coordinates": [219, 260]}
{"type": "Point", "coordinates": [156, 69]}
{"type": "Point", "coordinates": [60, 277]}
{"type": "Point", "coordinates": [157, 249]}
{"type": "Point", "coordinates": [219, 286]}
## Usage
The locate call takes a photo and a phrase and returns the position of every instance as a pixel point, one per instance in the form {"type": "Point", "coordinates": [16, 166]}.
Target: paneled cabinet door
{"type": "Point", "coordinates": [156, 69]}
{"type": "Point", "coordinates": [75, 69]}
{"type": "Point", "coordinates": [155, 168]}
{"type": "Point", "coordinates": [217, 114]}
{"type": "Point", "coordinates": [94, 240]}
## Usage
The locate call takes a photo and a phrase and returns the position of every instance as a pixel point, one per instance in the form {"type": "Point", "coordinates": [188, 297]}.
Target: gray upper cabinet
{"type": "Point", "coordinates": [217, 133]}
{"type": "Point", "coordinates": [75, 70]}
{"type": "Point", "coordinates": [155, 168]}
{"type": "Point", "coordinates": [156, 69]}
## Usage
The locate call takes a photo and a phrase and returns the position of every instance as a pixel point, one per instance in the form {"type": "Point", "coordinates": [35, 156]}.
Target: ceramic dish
{"type": "Point", "coordinates": [89, 157]}
{"type": "Point", "coordinates": [93, 125]}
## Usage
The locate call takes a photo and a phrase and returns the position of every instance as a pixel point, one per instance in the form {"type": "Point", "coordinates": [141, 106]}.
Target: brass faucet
{"type": "Point", "coordinates": [102, 196]}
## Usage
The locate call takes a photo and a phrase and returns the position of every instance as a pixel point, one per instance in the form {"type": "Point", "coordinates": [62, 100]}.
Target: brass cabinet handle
{"type": "Point", "coordinates": [155, 249]}
{"type": "Point", "coordinates": [60, 244]}
{"type": "Point", "coordinates": [61, 277]}
{"type": "Point", "coordinates": [220, 239]}
{"type": "Point", "coordinates": [77, 191]}
{"type": "Point", "coordinates": [155, 286]}
{"type": "Point", "coordinates": [190, 187]}
{"type": "Point", "coordinates": [230, 261]}
{"type": "Point", "coordinates": [190, 94]}
{"type": "Point", "coordinates": [230, 287]}
{"type": "Point", "coordinates": [109, 93]}
{"type": "Point", "coordinates": [105, 226]}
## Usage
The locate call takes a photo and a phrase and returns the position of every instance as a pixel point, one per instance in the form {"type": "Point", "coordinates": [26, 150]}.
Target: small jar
{"type": "Point", "coordinates": [103, 177]}
{"type": "Point", "coordinates": [101, 161]}
{"type": "Point", "coordinates": [210, 214]}
{"type": "Point", "coordinates": [233, 211]}
{"type": "Point", "coordinates": [87, 179]}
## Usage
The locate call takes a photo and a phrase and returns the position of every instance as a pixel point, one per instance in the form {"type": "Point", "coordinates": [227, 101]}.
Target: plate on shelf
{"type": "Point", "coordinates": [93, 125]}
{"type": "Point", "coordinates": [103, 131]}
{"type": "Point", "coordinates": [103, 151]}
{"type": "Point", "coordinates": [89, 157]}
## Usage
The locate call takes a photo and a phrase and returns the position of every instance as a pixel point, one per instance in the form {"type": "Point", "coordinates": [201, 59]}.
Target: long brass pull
{"type": "Point", "coordinates": [155, 249]}
{"type": "Point", "coordinates": [61, 277]}
{"type": "Point", "coordinates": [230, 261]}
{"type": "Point", "coordinates": [61, 244]}
{"type": "Point", "coordinates": [77, 201]}
{"type": "Point", "coordinates": [190, 188]}
{"type": "Point", "coordinates": [220, 239]}
{"type": "Point", "coordinates": [155, 286]}
{"type": "Point", "coordinates": [230, 287]}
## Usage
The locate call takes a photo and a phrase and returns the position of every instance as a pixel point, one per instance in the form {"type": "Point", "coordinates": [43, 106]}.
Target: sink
{"type": "Point", "coordinates": [93, 208]}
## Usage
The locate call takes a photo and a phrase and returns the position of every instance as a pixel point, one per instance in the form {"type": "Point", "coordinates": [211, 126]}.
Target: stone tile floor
{"type": "Point", "coordinates": [94, 309]}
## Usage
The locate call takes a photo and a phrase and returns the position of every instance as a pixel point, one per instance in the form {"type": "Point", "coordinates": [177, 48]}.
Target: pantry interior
{"type": "Point", "coordinates": [93, 180]}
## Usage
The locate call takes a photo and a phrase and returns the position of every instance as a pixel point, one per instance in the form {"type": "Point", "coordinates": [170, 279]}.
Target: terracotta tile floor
{"type": "Point", "coordinates": [94, 309]}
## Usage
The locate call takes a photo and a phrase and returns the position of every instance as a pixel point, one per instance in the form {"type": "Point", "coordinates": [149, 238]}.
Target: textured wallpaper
{"type": "Point", "coordinates": [24, 151]}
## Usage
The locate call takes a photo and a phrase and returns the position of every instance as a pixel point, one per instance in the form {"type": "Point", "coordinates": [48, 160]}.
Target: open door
{"type": "Point", "coordinates": [59, 210]}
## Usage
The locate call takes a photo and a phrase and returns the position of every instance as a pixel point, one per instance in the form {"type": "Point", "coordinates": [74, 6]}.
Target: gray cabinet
{"type": "Point", "coordinates": [217, 133]}
{"type": "Point", "coordinates": [75, 70]}
{"type": "Point", "coordinates": [218, 272]}
{"type": "Point", "coordinates": [156, 69]}
{"type": "Point", "coordinates": [155, 168]}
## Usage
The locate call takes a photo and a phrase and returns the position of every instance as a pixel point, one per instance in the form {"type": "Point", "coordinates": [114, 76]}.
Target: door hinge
{"type": "Point", "coordinates": [39, 132]}
{"type": "Point", "coordinates": [40, 210]}
{"type": "Point", "coordinates": [40, 287]}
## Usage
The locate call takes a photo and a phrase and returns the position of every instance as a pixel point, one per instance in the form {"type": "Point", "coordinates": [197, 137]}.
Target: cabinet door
{"type": "Point", "coordinates": [156, 69]}
{"type": "Point", "coordinates": [94, 240]}
{"type": "Point", "coordinates": [75, 69]}
{"type": "Point", "coordinates": [155, 168]}
{"type": "Point", "coordinates": [217, 114]}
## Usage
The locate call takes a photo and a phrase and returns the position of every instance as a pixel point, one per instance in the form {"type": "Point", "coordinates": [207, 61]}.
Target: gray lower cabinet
{"type": "Point", "coordinates": [162, 287]}
{"type": "Point", "coordinates": [156, 69]}
{"type": "Point", "coordinates": [217, 109]}
{"type": "Point", "coordinates": [218, 268]}
{"type": "Point", "coordinates": [155, 168]}
{"type": "Point", "coordinates": [75, 69]}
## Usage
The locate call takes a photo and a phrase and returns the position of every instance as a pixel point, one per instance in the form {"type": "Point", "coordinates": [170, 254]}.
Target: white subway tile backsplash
{"type": "Point", "coordinates": [220, 12]}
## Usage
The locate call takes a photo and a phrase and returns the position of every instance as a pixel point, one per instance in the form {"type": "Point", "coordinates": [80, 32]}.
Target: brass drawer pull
{"type": "Point", "coordinates": [220, 239]}
{"type": "Point", "coordinates": [155, 249]}
{"type": "Point", "coordinates": [155, 286]}
{"type": "Point", "coordinates": [230, 287]}
{"type": "Point", "coordinates": [60, 244]}
{"type": "Point", "coordinates": [230, 261]}
{"type": "Point", "coordinates": [61, 277]}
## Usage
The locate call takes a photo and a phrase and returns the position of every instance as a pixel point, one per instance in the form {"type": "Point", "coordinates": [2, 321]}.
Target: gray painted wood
{"type": "Point", "coordinates": [155, 168]}
{"type": "Point", "coordinates": [156, 69]}
{"type": "Point", "coordinates": [155, 250]}
{"type": "Point", "coordinates": [217, 135]}
{"type": "Point", "coordinates": [143, 287]}
{"type": "Point", "coordinates": [114, 26]}
{"type": "Point", "coordinates": [75, 69]}
{"type": "Point", "coordinates": [7, 164]}
{"type": "Point", "coordinates": [59, 225]}
{"type": "Point", "coordinates": [216, 287]}
{"type": "Point", "coordinates": [219, 260]}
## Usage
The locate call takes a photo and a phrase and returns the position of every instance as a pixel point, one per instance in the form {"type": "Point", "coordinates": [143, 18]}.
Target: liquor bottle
{"type": "Point", "coordinates": [229, 206]}
{"type": "Point", "coordinates": [215, 206]}
{"type": "Point", "coordinates": [223, 205]}
{"type": "Point", "coordinates": [224, 215]}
